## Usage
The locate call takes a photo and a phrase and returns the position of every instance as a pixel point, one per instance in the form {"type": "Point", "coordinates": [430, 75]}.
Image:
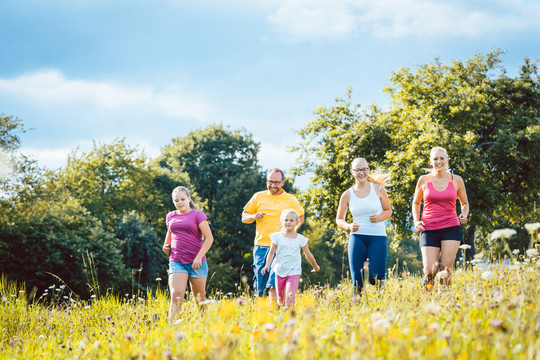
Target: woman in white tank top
{"type": "Point", "coordinates": [369, 205]}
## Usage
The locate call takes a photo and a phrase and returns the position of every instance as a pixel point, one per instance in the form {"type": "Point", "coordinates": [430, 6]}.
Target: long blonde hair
{"type": "Point", "coordinates": [377, 177]}
{"type": "Point", "coordinates": [188, 193]}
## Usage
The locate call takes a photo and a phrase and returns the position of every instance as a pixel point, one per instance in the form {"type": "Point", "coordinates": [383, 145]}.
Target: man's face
{"type": "Point", "coordinates": [274, 182]}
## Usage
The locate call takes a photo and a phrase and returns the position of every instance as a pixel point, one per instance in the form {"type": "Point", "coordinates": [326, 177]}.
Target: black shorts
{"type": "Point", "coordinates": [434, 237]}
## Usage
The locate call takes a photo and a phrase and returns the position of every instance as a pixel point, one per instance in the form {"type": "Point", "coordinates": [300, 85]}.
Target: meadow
{"type": "Point", "coordinates": [490, 312]}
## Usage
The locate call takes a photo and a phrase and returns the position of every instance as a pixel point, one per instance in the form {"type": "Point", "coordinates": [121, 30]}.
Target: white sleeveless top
{"type": "Point", "coordinates": [362, 208]}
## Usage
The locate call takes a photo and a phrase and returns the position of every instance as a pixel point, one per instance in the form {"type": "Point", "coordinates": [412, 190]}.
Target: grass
{"type": "Point", "coordinates": [489, 313]}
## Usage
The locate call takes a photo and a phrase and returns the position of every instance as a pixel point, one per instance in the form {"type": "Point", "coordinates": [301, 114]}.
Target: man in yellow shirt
{"type": "Point", "coordinates": [265, 208]}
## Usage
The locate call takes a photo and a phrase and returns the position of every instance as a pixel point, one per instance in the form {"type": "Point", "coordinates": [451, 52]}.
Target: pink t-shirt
{"type": "Point", "coordinates": [186, 237]}
{"type": "Point", "coordinates": [440, 206]}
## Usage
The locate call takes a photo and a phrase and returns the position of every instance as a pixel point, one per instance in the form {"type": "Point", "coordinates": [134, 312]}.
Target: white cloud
{"type": "Point", "coordinates": [52, 87]}
{"type": "Point", "coordinates": [337, 20]}
{"type": "Point", "coordinates": [310, 20]}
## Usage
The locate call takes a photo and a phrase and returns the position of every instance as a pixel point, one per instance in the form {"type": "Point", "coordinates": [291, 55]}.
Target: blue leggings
{"type": "Point", "coordinates": [361, 248]}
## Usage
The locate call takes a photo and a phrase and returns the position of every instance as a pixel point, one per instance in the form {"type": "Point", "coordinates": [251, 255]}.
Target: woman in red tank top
{"type": "Point", "coordinates": [440, 225]}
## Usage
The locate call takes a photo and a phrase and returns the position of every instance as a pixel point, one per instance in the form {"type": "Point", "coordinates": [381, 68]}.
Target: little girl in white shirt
{"type": "Point", "coordinates": [288, 262]}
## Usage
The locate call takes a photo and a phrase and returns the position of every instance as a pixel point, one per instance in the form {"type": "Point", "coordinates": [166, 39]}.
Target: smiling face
{"type": "Point", "coordinates": [360, 169]}
{"type": "Point", "coordinates": [439, 160]}
{"type": "Point", "coordinates": [274, 182]}
{"type": "Point", "coordinates": [289, 220]}
{"type": "Point", "coordinates": [181, 201]}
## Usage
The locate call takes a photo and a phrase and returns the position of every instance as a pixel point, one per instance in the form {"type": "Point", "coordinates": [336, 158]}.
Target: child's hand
{"type": "Point", "coordinates": [264, 269]}
{"type": "Point", "coordinates": [167, 249]}
{"type": "Point", "coordinates": [316, 268]}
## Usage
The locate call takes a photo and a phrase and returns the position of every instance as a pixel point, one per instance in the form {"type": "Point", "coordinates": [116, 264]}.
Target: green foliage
{"type": "Point", "coordinates": [140, 248]}
{"type": "Point", "coordinates": [110, 179]}
{"type": "Point", "coordinates": [223, 168]}
{"type": "Point", "coordinates": [9, 128]}
{"type": "Point", "coordinates": [486, 120]}
{"type": "Point", "coordinates": [47, 239]}
{"type": "Point", "coordinates": [331, 256]}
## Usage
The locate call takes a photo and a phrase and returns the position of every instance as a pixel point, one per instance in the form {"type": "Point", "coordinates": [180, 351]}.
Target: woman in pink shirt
{"type": "Point", "coordinates": [188, 239]}
{"type": "Point", "coordinates": [440, 225]}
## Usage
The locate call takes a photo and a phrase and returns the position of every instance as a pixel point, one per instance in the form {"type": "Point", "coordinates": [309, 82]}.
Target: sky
{"type": "Point", "coordinates": [83, 71]}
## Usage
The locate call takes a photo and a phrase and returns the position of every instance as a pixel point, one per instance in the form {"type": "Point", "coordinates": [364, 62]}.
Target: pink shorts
{"type": "Point", "coordinates": [286, 288]}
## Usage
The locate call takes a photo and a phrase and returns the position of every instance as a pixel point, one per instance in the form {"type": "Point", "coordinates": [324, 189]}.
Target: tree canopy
{"type": "Point", "coordinates": [487, 120]}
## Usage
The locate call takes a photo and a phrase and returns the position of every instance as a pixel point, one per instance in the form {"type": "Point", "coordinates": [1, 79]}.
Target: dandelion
{"type": "Point", "coordinates": [531, 228]}
{"type": "Point", "coordinates": [158, 279]}
{"type": "Point", "coordinates": [465, 247]}
{"type": "Point", "coordinates": [502, 234]}
{"type": "Point", "coordinates": [515, 251]}
{"type": "Point", "coordinates": [487, 275]}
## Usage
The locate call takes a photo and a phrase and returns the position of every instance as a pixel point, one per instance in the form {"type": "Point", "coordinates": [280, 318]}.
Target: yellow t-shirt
{"type": "Point", "coordinates": [272, 206]}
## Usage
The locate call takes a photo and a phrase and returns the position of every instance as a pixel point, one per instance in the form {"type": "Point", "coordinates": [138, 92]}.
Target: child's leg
{"type": "Point", "coordinates": [290, 290]}
{"type": "Point", "coordinates": [177, 285]}
{"type": "Point", "coordinates": [280, 289]}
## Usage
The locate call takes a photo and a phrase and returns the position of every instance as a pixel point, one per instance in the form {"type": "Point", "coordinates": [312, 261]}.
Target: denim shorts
{"type": "Point", "coordinates": [176, 267]}
{"type": "Point", "coordinates": [434, 237]}
{"type": "Point", "coordinates": [268, 280]}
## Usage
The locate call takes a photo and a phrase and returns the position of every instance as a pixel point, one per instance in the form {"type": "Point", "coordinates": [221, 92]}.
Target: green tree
{"type": "Point", "coordinates": [47, 239]}
{"type": "Point", "coordinates": [487, 120]}
{"type": "Point", "coordinates": [10, 127]}
{"type": "Point", "coordinates": [115, 178]}
{"type": "Point", "coordinates": [222, 165]}
{"type": "Point", "coordinates": [140, 248]}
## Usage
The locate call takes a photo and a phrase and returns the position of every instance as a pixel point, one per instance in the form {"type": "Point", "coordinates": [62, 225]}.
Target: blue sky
{"type": "Point", "coordinates": [90, 70]}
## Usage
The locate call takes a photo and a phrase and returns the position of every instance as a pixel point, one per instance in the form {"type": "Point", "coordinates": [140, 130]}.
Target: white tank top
{"type": "Point", "coordinates": [362, 208]}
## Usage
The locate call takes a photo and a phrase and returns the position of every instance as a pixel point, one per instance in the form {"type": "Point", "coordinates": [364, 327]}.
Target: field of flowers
{"type": "Point", "coordinates": [490, 312]}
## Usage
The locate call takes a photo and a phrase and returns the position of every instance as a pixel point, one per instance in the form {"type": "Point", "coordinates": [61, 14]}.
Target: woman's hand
{"type": "Point", "coordinates": [418, 226]}
{"type": "Point", "coordinates": [197, 263]}
{"type": "Point", "coordinates": [354, 227]}
{"type": "Point", "coordinates": [374, 218]}
{"type": "Point", "coordinates": [462, 219]}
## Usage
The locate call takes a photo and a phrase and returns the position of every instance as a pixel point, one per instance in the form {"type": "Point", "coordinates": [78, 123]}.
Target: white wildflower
{"type": "Point", "coordinates": [381, 325]}
{"type": "Point", "coordinates": [531, 228]}
{"type": "Point", "coordinates": [442, 274]}
{"type": "Point", "coordinates": [502, 234]}
{"type": "Point", "coordinates": [465, 247]}
{"type": "Point", "coordinates": [475, 261]}
{"type": "Point", "coordinates": [487, 275]}
{"type": "Point", "coordinates": [432, 308]}
{"type": "Point", "coordinates": [531, 252]}
{"type": "Point", "coordinates": [479, 255]}
{"type": "Point", "coordinates": [515, 251]}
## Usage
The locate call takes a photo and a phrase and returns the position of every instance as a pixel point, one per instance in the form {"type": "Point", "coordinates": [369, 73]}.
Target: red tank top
{"type": "Point", "coordinates": [440, 206]}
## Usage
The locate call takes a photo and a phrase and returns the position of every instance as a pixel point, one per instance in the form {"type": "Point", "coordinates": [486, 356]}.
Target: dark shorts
{"type": "Point", "coordinates": [434, 237]}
